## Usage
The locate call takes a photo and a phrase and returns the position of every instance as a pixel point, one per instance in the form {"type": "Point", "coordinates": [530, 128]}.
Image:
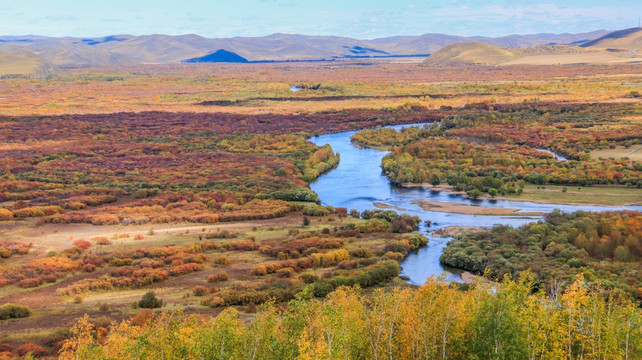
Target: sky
{"type": "Point", "coordinates": [362, 19]}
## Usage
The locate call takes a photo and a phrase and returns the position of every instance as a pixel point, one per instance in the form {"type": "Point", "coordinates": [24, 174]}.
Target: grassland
{"type": "Point", "coordinates": [587, 195]}
{"type": "Point", "coordinates": [54, 310]}
{"type": "Point", "coordinates": [558, 194]}
{"type": "Point", "coordinates": [632, 153]}
{"type": "Point", "coordinates": [264, 88]}
{"type": "Point", "coordinates": [148, 124]}
{"type": "Point", "coordinates": [615, 196]}
{"type": "Point", "coordinates": [18, 63]}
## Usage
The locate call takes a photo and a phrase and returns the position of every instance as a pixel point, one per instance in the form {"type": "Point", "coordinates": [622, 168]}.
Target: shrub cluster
{"type": "Point", "coordinates": [14, 311]}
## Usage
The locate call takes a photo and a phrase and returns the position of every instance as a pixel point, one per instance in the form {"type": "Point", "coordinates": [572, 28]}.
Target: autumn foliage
{"type": "Point", "coordinates": [606, 248]}
{"type": "Point", "coordinates": [497, 149]}
{"type": "Point", "coordinates": [434, 321]}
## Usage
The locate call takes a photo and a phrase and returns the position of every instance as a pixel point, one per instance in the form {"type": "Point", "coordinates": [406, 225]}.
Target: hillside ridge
{"type": "Point", "coordinates": [166, 49]}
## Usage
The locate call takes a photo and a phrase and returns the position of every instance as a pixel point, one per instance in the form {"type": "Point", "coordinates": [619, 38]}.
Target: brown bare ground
{"type": "Point", "coordinates": [467, 209]}
{"type": "Point", "coordinates": [387, 206]}
{"type": "Point", "coordinates": [633, 153]}
{"type": "Point", "coordinates": [452, 231]}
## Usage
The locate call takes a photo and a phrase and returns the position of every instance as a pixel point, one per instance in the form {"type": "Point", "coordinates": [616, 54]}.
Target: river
{"type": "Point", "coordinates": [357, 183]}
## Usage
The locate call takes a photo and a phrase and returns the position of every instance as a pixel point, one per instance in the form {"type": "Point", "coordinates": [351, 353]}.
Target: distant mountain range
{"type": "Point", "coordinates": [166, 49]}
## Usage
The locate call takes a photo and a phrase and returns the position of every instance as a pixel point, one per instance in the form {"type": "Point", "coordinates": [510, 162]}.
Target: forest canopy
{"type": "Point", "coordinates": [605, 248]}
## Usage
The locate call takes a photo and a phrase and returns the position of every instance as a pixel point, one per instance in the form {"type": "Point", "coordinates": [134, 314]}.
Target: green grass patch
{"type": "Point", "coordinates": [582, 195]}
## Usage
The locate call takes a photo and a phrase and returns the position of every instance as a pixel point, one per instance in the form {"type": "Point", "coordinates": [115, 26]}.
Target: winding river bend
{"type": "Point", "coordinates": [357, 183]}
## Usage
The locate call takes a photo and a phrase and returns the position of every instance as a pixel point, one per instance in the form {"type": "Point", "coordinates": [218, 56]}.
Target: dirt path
{"type": "Point", "coordinates": [632, 152]}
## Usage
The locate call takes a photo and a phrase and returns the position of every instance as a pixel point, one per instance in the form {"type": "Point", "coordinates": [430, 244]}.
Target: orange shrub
{"type": "Point", "coordinates": [37, 211]}
{"type": "Point", "coordinates": [185, 269]}
{"type": "Point", "coordinates": [10, 248]}
{"type": "Point", "coordinates": [241, 245]}
{"type": "Point", "coordinates": [222, 260]}
{"type": "Point", "coordinates": [5, 215]}
{"type": "Point", "coordinates": [259, 270]}
{"type": "Point", "coordinates": [218, 277]}
{"type": "Point", "coordinates": [105, 219]}
{"type": "Point", "coordinates": [200, 290]}
{"type": "Point", "coordinates": [213, 301]}
{"type": "Point", "coordinates": [75, 205]}
{"type": "Point", "coordinates": [206, 218]}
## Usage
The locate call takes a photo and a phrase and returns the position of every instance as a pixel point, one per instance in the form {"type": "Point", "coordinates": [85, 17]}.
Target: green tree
{"type": "Point", "coordinates": [435, 180]}
{"type": "Point", "coordinates": [474, 193]}
{"type": "Point", "coordinates": [150, 301]}
{"type": "Point", "coordinates": [497, 329]}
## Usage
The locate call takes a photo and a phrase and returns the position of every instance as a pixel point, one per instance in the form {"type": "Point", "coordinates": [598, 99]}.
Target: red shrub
{"type": "Point", "coordinates": [50, 278]}
{"type": "Point", "coordinates": [27, 283]}
{"type": "Point", "coordinates": [82, 244]}
{"type": "Point", "coordinates": [88, 268]}
{"type": "Point", "coordinates": [143, 317]}
{"type": "Point", "coordinates": [102, 240]}
{"type": "Point", "coordinates": [32, 349]}
{"type": "Point", "coordinates": [94, 260]}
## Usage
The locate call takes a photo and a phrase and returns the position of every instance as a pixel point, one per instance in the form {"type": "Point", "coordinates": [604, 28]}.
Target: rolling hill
{"type": "Point", "coordinates": [167, 49]}
{"type": "Point", "coordinates": [628, 40]}
{"type": "Point", "coordinates": [469, 53]}
{"type": "Point", "coordinates": [23, 63]}
{"type": "Point", "coordinates": [612, 48]}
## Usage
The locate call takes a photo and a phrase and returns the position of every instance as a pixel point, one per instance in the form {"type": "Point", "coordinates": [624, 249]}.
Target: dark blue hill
{"type": "Point", "coordinates": [218, 56]}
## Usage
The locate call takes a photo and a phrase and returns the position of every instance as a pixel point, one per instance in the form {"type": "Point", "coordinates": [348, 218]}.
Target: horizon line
{"type": "Point", "coordinates": [307, 35]}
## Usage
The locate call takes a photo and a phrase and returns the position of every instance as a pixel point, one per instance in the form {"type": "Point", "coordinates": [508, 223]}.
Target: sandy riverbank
{"type": "Point", "coordinates": [379, 205]}
{"type": "Point", "coordinates": [470, 278]}
{"type": "Point", "coordinates": [455, 208]}
{"type": "Point", "coordinates": [452, 231]}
